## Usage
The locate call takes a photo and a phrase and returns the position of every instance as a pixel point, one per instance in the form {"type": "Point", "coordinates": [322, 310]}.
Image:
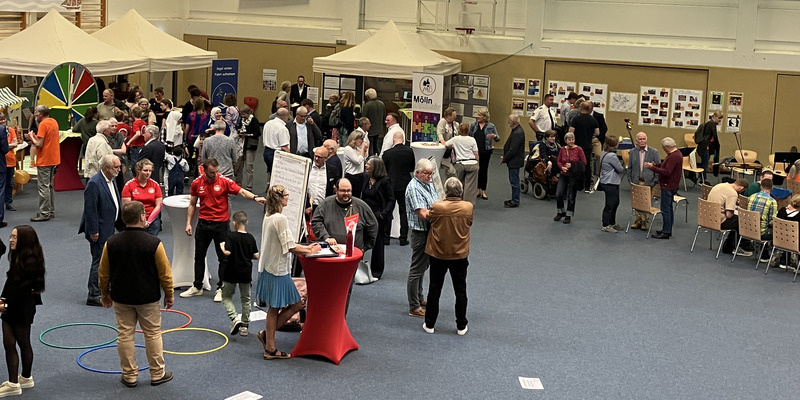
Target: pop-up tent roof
{"type": "Point", "coordinates": [134, 34]}
{"type": "Point", "coordinates": [54, 40]}
{"type": "Point", "coordinates": [389, 53]}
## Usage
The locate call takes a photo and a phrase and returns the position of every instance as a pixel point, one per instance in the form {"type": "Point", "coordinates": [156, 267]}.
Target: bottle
{"type": "Point", "coordinates": [349, 248]}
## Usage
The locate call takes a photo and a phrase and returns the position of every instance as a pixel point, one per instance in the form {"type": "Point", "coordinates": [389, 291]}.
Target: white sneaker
{"type": "Point", "coordinates": [25, 383]}
{"type": "Point", "coordinates": [426, 329]}
{"type": "Point", "coordinates": [192, 291]}
{"type": "Point", "coordinates": [236, 325]}
{"type": "Point", "coordinates": [462, 332]}
{"type": "Point", "coordinates": [218, 296]}
{"type": "Point", "coordinates": [243, 331]}
{"type": "Point", "coordinates": [744, 253]}
{"type": "Point", "coordinates": [609, 229]}
{"type": "Point", "coordinates": [10, 389]}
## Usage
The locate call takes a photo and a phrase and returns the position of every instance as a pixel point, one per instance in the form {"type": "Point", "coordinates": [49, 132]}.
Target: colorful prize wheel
{"type": "Point", "coordinates": [68, 90]}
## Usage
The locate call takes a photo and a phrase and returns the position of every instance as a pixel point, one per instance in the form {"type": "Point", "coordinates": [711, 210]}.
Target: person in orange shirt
{"type": "Point", "coordinates": [48, 156]}
{"type": "Point", "coordinates": [11, 163]}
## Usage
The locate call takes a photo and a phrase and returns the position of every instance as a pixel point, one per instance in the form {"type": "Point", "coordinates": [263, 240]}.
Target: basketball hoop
{"type": "Point", "coordinates": [464, 34]}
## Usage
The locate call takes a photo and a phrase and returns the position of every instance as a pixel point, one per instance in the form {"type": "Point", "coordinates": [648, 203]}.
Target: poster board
{"type": "Point", "coordinates": [291, 171]}
{"type": "Point", "coordinates": [468, 94]}
{"type": "Point", "coordinates": [654, 106]}
{"type": "Point", "coordinates": [687, 109]}
{"type": "Point", "coordinates": [338, 84]}
{"type": "Point", "coordinates": [560, 90]}
{"type": "Point", "coordinates": [596, 93]}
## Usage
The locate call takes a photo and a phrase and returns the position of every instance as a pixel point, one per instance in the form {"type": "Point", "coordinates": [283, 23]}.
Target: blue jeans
{"type": "Point", "coordinates": [134, 158]}
{"type": "Point", "coordinates": [155, 227]}
{"type": "Point", "coordinates": [513, 178]}
{"type": "Point", "coordinates": [667, 197]}
{"type": "Point", "coordinates": [568, 191]}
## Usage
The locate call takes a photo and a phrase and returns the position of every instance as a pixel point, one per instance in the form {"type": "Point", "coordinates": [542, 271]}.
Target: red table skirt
{"type": "Point", "coordinates": [67, 177]}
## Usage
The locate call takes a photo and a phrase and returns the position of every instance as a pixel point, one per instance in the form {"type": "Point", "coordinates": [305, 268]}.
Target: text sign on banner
{"type": "Point", "coordinates": [426, 104]}
{"type": "Point", "coordinates": [224, 79]}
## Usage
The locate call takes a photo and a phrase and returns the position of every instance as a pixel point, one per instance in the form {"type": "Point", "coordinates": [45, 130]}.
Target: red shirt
{"type": "Point", "coordinates": [124, 129]}
{"type": "Point", "coordinates": [669, 171]}
{"type": "Point", "coordinates": [214, 197]}
{"type": "Point", "coordinates": [147, 194]}
{"type": "Point", "coordinates": [137, 128]}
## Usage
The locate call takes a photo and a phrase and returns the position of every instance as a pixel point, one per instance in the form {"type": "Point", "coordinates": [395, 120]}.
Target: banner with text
{"type": "Point", "coordinates": [426, 105]}
{"type": "Point", "coordinates": [224, 79]}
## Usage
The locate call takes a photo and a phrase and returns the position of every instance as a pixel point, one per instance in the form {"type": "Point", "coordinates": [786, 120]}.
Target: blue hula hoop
{"type": "Point", "coordinates": [102, 371]}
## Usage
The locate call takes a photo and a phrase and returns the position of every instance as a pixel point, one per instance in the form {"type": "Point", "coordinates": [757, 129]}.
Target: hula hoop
{"type": "Point", "coordinates": [195, 353]}
{"type": "Point", "coordinates": [41, 336]}
{"type": "Point", "coordinates": [176, 312]}
{"type": "Point", "coordinates": [102, 371]}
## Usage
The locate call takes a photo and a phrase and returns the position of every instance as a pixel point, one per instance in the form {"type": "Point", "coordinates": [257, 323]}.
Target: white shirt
{"type": "Point", "coordinates": [464, 146]}
{"type": "Point", "coordinates": [112, 190]}
{"type": "Point", "coordinates": [276, 240]}
{"type": "Point", "coordinates": [317, 180]}
{"type": "Point", "coordinates": [388, 140]}
{"type": "Point", "coordinates": [276, 135]}
{"type": "Point", "coordinates": [544, 118]}
{"type": "Point", "coordinates": [302, 138]}
{"type": "Point", "coordinates": [173, 128]}
{"type": "Point", "coordinates": [366, 135]}
{"type": "Point", "coordinates": [353, 161]}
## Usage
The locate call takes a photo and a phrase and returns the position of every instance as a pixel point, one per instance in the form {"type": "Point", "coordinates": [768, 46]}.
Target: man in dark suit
{"type": "Point", "coordinates": [597, 143]}
{"type": "Point", "coordinates": [333, 159]}
{"type": "Point", "coordinates": [154, 151]}
{"type": "Point", "coordinates": [101, 209]}
{"type": "Point", "coordinates": [298, 93]}
{"type": "Point", "coordinates": [312, 113]}
{"type": "Point", "coordinates": [400, 163]}
{"type": "Point", "coordinates": [304, 134]}
{"type": "Point", "coordinates": [514, 158]}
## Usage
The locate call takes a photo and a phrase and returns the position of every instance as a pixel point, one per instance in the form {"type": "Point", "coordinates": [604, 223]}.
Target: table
{"type": "Point", "coordinates": [325, 332]}
{"type": "Point", "coordinates": [428, 149]}
{"type": "Point", "coordinates": [66, 177]}
{"type": "Point", "coordinates": [182, 244]}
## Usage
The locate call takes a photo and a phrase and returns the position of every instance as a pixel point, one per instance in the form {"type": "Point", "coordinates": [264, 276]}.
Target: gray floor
{"type": "Point", "coordinates": [592, 314]}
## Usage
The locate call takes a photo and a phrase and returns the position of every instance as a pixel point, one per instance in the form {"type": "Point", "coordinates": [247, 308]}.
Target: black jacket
{"type": "Point", "coordinates": [313, 135]}
{"type": "Point", "coordinates": [400, 162]}
{"type": "Point", "coordinates": [514, 149]}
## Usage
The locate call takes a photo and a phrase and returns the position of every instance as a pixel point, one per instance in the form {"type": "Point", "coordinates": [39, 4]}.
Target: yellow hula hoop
{"type": "Point", "coordinates": [195, 353]}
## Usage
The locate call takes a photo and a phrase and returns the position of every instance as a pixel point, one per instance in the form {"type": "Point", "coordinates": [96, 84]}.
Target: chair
{"type": "Point", "coordinates": [709, 217]}
{"type": "Point", "coordinates": [742, 201]}
{"type": "Point", "coordinates": [689, 139]}
{"type": "Point", "coordinates": [640, 201]}
{"type": "Point", "coordinates": [744, 157]}
{"type": "Point", "coordinates": [784, 237]}
{"type": "Point", "coordinates": [705, 189]}
{"type": "Point", "coordinates": [778, 168]}
{"type": "Point", "coordinates": [793, 185]}
{"type": "Point", "coordinates": [676, 201]}
{"type": "Point", "coordinates": [626, 157]}
{"type": "Point", "coordinates": [251, 102]}
{"type": "Point", "coordinates": [750, 228]}
{"type": "Point", "coordinates": [687, 167]}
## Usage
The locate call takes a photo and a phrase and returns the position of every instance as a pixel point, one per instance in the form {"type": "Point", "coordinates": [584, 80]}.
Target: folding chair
{"type": "Point", "coordinates": [709, 217]}
{"type": "Point", "coordinates": [784, 237]}
{"type": "Point", "coordinates": [640, 201]}
{"type": "Point", "coordinates": [705, 190]}
{"type": "Point", "coordinates": [750, 228]}
{"type": "Point", "coordinates": [687, 167]}
{"type": "Point", "coordinates": [742, 201]}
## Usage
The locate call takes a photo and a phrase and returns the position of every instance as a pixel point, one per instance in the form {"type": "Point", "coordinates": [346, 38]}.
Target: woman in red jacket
{"type": "Point", "coordinates": [569, 158]}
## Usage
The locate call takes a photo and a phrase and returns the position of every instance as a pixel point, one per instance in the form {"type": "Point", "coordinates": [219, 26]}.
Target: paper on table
{"type": "Point", "coordinates": [246, 395]}
{"type": "Point", "coordinates": [530, 383]}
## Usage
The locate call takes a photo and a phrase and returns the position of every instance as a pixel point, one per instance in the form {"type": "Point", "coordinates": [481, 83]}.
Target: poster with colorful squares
{"type": "Point", "coordinates": [423, 127]}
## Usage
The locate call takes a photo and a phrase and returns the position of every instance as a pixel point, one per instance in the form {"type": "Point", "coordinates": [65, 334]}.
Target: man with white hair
{"type": "Point", "coordinates": [669, 178]}
{"type": "Point", "coordinates": [221, 148]}
{"type": "Point", "coordinates": [276, 136]}
{"type": "Point", "coordinates": [304, 135]}
{"type": "Point", "coordinates": [98, 146]}
{"type": "Point", "coordinates": [514, 158]}
{"type": "Point", "coordinates": [154, 151]}
{"type": "Point", "coordinates": [375, 110]}
{"type": "Point", "coordinates": [640, 175]}
{"type": "Point", "coordinates": [420, 196]}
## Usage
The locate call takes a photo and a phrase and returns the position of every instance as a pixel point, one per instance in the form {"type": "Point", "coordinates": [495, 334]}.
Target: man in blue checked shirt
{"type": "Point", "coordinates": [420, 195]}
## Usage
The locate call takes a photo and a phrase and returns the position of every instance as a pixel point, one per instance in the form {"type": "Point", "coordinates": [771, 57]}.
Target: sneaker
{"type": "Point", "coordinates": [25, 383]}
{"type": "Point", "coordinates": [236, 325]}
{"type": "Point", "coordinates": [419, 312]}
{"type": "Point", "coordinates": [744, 253]}
{"type": "Point", "coordinates": [10, 389]}
{"type": "Point", "coordinates": [609, 229]}
{"type": "Point", "coordinates": [164, 379]}
{"type": "Point", "coordinates": [616, 227]}
{"type": "Point", "coordinates": [243, 331]}
{"type": "Point", "coordinates": [192, 291]}
{"type": "Point", "coordinates": [426, 329]}
{"type": "Point", "coordinates": [462, 332]}
{"type": "Point", "coordinates": [218, 296]}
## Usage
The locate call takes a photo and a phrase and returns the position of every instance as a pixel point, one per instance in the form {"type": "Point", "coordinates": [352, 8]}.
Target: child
{"type": "Point", "coordinates": [177, 167]}
{"type": "Point", "coordinates": [241, 249]}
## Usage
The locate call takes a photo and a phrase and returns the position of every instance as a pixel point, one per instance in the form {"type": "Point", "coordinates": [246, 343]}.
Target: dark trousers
{"type": "Point", "coordinates": [483, 173]}
{"type": "Point", "coordinates": [4, 177]}
{"type": "Point", "coordinates": [9, 185]}
{"type": "Point", "coordinates": [568, 191]}
{"type": "Point", "coordinates": [269, 155]}
{"type": "Point", "coordinates": [667, 197]}
{"type": "Point", "coordinates": [513, 178]}
{"type": "Point", "coordinates": [356, 180]}
{"type": "Point", "coordinates": [730, 242]}
{"type": "Point", "coordinates": [702, 151]}
{"type": "Point", "coordinates": [96, 249]}
{"type": "Point", "coordinates": [206, 232]}
{"type": "Point", "coordinates": [587, 180]}
{"type": "Point", "coordinates": [401, 209]}
{"type": "Point", "coordinates": [375, 144]}
{"type": "Point", "coordinates": [612, 202]}
{"type": "Point", "coordinates": [377, 260]}
{"type": "Point", "coordinates": [458, 274]}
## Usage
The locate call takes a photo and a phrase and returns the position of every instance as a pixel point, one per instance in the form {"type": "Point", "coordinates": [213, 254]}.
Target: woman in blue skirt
{"type": "Point", "coordinates": [275, 285]}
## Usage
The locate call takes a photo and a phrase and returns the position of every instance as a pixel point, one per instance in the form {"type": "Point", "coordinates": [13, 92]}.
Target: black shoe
{"type": "Point", "coordinates": [3, 224]}
{"type": "Point", "coordinates": [507, 202]}
{"type": "Point", "coordinates": [94, 302]}
{"type": "Point", "coordinates": [567, 219]}
{"type": "Point", "coordinates": [403, 242]}
{"type": "Point", "coordinates": [511, 205]}
{"type": "Point", "coordinates": [661, 235]}
{"type": "Point", "coordinates": [9, 207]}
{"type": "Point", "coordinates": [128, 384]}
{"type": "Point", "coordinates": [559, 216]}
{"type": "Point", "coordinates": [386, 242]}
{"type": "Point", "coordinates": [164, 379]}
{"type": "Point", "coordinates": [659, 232]}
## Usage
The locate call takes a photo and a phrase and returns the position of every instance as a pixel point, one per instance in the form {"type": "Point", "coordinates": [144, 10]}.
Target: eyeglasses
{"type": "Point", "coordinates": [426, 172]}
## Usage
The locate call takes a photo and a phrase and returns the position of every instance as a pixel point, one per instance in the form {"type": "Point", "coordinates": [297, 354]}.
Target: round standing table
{"type": "Point", "coordinates": [182, 244]}
{"type": "Point", "coordinates": [325, 332]}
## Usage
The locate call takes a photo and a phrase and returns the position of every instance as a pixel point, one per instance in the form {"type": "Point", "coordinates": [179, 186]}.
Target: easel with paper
{"type": "Point", "coordinates": [291, 171]}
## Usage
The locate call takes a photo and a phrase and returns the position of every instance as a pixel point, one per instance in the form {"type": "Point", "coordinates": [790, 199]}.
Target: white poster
{"type": "Point", "coordinates": [560, 90]}
{"type": "Point", "coordinates": [458, 107]}
{"type": "Point", "coordinates": [518, 106]}
{"type": "Point", "coordinates": [426, 104]}
{"type": "Point", "coordinates": [733, 123]}
{"type": "Point", "coordinates": [531, 106]}
{"type": "Point", "coordinates": [717, 98]}
{"type": "Point", "coordinates": [534, 87]}
{"type": "Point", "coordinates": [269, 79]}
{"type": "Point", "coordinates": [686, 111]}
{"type": "Point", "coordinates": [313, 94]}
{"type": "Point", "coordinates": [518, 87]}
{"type": "Point", "coordinates": [596, 92]}
{"type": "Point", "coordinates": [623, 102]}
{"type": "Point", "coordinates": [654, 106]}
{"type": "Point", "coordinates": [735, 101]}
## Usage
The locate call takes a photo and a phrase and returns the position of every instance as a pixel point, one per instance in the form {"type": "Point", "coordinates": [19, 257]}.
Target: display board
{"type": "Point", "coordinates": [338, 84]}
{"type": "Point", "coordinates": [597, 94]}
{"type": "Point", "coordinates": [560, 90]}
{"type": "Point", "coordinates": [292, 171]}
{"type": "Point", "coordinates": [68, 90]}
{"type": "Point", "coordinates": [468, 94]}
{"type": "Point", "coordinates": [427, 106]}
{"type": "Point", "coordinates": [687, 109]}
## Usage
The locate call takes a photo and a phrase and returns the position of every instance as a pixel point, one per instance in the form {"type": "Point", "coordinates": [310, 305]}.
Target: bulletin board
{"type": "Point", "coordinates": [630, 79]}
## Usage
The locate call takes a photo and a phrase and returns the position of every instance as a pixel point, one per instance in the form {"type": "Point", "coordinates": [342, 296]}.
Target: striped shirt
{"type": "Point", "coordinates": [766, 205]}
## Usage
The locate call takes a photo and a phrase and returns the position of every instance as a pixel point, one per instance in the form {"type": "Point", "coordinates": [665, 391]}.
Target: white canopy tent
{"type": "Point", "coordinates": [54, 40]}
{"type": "Point", "coordinates": [389, 53]}
{"type": "Point", "coordinates": [134, 34]}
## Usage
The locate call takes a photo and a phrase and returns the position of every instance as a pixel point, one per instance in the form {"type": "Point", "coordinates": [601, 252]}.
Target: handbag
{"type": "Point", "coordinates": [596, 183]}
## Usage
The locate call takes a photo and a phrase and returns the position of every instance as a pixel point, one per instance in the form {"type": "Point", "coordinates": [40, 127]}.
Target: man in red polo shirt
{"type": "Point", "coordinates": [48, 156]}
{"type": "Point", "coordinates": [213, 190]}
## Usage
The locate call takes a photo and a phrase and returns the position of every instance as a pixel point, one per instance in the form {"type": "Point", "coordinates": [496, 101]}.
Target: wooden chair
{"type": "Point", "coordinates": [784, 237]}
{"type": "Point", "coordinates": [640, 201]}
{"type": "Point", "coordinates": [676, 201]}
{"type": "Point", "coordinates": [709, 217]}
{"type": "Point", "coordinates": [687, 167]}
{"type": "Point", "coordinates": [705, 189]}
{"type": "Point", "coordinates": [626, 157]}
{"type": "Point", "coordinates": [745, 156]}
{"type": "Point", "coordinates": [742, 201]}
{"type": "Point", "coordinates": [778, 168]}
{"type": "Point", "coordinates": [783, 202]}
{"type": "Point", "coordinates": [794, 186]}
{"type": "Point", "coordinates": [750, 228]}
{"type": "Point", "coordinates": [689, 139]}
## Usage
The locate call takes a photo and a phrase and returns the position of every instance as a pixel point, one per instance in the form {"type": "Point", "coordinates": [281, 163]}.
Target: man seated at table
{"type": "Point", "coordinates": [727, 195]}
{"type": "Point", "coordinates": [768, 208]}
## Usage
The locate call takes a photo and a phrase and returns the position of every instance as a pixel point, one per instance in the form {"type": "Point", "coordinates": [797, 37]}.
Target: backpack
{"type": "Point", "coordinates": [335, 120]}
{"type": "Point", "coordinates": [699, 135]}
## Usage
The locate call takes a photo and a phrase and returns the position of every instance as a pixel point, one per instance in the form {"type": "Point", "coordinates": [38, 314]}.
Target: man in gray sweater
{"type": "Point", "coordinates": [221, 148]}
